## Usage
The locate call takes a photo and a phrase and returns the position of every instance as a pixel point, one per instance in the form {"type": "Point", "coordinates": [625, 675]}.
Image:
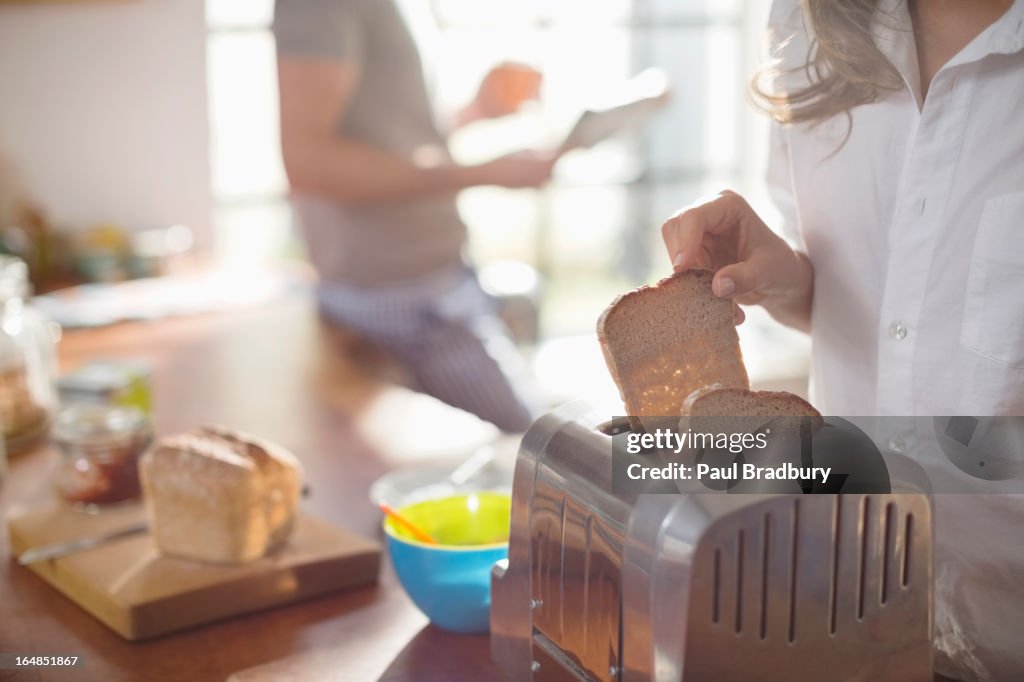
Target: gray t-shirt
{"type": "Point", "coordinates": [386, 242]}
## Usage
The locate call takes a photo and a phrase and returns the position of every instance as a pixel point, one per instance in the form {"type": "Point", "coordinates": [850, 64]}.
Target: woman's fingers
{"type": "Point", "coordinates": [684, 232]}
{"type": "Point", "coordinates": [739, 315]}
{"type": "Point", "coordinates": [716, 234]}
{"type": "Point", "coordinates": [752, 265]}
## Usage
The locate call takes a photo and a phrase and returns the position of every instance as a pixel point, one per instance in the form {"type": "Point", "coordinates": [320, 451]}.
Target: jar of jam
{"type": "Point", "coordinates": [100, 447]}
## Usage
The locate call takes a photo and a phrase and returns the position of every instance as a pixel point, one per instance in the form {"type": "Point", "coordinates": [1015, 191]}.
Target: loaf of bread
{"type": "Point", "coordinates": [220, 496]}
{"type": "Point", "coordinates": [664, 342]}
{"type": "Point", "coordinates": [720, 409]}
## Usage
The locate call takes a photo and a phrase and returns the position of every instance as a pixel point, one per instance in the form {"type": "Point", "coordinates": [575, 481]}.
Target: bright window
{"type": "Point", "coordinates": [594, 231]}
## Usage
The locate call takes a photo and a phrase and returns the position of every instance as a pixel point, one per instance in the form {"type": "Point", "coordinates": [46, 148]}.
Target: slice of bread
{"type": "Point", "coordinates": [722, 409]}
{"type": "Point", "coordinates": [665, 341]}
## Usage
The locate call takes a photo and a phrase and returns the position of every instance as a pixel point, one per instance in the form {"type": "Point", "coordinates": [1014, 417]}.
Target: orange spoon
{"type": "Point", "coordinates": [418, 533]}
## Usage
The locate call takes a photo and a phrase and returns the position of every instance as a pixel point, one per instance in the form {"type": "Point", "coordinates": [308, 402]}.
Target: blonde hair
{"type": "Point", "coordinates": [844, 67]}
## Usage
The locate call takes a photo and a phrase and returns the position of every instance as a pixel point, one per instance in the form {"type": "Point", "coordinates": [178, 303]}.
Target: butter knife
{"type": "Point", "coordinates": [62, 549]}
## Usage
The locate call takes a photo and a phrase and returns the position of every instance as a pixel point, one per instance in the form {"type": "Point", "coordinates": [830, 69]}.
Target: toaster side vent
{"type": "Point", "coordinates": [739, 581]}
{"type": "Point", "coordinates": [545, 566]}
{"type": "Point", "coordinates": [766, 541]}
{"type": "Point", "coordinates": [588, 545]}
{"type": "Point", "coordinates": [888, 539]}
{"type": "Point", "coordinates": [837, 527]}
{"type": "Point", "coordinates": [716, 592]}
{"type": "Point", "coordinates": [564, 524]}
{"type": "Point", "coordinates": [794, 543]}
{"type": "Point", "coordinates": [796, 587]}
{"type": "Point", "coordinates": [865, 540]}
{"type": "Point", "coordinates": [908, 541]}
{"type": "Point", "coordinates": [867, 530]}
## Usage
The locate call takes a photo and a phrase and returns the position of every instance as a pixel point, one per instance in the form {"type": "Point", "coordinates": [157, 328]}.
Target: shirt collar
{"type": "Point", "coordinates": [1004, 36]}
{"type": "Point", "coordinates": [893, 32]}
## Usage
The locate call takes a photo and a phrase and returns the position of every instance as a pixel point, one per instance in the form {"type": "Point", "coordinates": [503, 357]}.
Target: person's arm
{"type": "Point", "coordinates": [752, 264]}
{"type": "Point", "coordinates": [315, 93]}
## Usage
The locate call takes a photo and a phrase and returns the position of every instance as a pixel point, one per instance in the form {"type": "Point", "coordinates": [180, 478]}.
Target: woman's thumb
{"type": "Point", "coordinates": [734, 280]}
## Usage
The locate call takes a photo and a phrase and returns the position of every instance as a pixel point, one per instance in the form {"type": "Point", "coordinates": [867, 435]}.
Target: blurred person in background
{"type": "Point", "coordinates": [898, 164]}
{"type": "Point", "coordinates": [374, 187]}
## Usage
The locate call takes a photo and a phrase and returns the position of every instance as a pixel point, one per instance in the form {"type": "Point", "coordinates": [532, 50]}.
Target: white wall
{"type": "Point", "coordinates": [103, 110]}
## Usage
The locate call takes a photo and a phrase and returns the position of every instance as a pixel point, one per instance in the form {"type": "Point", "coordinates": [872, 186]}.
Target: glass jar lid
{"type": "Point", "coordinates": [99, 425]}
{"type": "Point", "coordinates": [14, 282]}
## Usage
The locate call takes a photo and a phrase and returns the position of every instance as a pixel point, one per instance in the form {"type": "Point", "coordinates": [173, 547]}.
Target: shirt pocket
{"type": "Point", "coordinates": [993, 324]}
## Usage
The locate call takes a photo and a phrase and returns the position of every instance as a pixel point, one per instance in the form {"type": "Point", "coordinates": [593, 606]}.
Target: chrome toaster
{"type": "Point", "coordinates": [703, 587]}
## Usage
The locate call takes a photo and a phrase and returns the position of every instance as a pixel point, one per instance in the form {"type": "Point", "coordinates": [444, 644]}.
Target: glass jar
{"type": "Point", "coordinates": [100, 447]}
{"type": "Point", "coordinates": [28, 361]}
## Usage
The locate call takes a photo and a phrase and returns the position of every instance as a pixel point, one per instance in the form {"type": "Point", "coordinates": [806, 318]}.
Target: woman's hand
{"type": "Point", "coordinates": [752, 264]}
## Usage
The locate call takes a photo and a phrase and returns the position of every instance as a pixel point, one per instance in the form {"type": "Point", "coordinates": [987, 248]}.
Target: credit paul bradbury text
{"type": "Point", "coordinates": [735, 472]}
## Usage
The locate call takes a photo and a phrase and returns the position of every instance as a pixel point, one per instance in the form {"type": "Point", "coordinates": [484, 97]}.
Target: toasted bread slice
{"type": "Point", "coordinates": [664, 342]}
{"type": "Point", "coordinates": [725, 409]}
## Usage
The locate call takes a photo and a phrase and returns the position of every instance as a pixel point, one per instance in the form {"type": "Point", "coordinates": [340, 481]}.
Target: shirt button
{"type": "Point", "coordinates": [898, 331]}
{"type": "Point", "coordinates": [897, 445]}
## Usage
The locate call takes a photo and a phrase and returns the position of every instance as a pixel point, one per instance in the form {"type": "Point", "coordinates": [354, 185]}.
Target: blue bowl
{"type": "Point", "coordinates": [450, 582]}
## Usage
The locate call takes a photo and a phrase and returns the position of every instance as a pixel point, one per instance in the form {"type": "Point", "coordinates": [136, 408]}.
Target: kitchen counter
{"type": "Point", "coordinates": [280, 372]}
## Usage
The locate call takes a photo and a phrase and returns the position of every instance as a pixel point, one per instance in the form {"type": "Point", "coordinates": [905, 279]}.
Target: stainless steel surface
{"type": "Point", "coordinates": [791, 586]}
{"type": "Point", "coordinates": [62, 549]}
{"type": "Point", "coordinates": [600, 586]}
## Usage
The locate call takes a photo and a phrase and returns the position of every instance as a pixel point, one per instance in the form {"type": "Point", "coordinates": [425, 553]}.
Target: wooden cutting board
{"type": "Point", "coordinates": [139, 594]}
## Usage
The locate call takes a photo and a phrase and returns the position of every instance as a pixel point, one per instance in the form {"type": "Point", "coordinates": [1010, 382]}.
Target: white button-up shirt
{"type": "Point", "coordinates": [915, 228]}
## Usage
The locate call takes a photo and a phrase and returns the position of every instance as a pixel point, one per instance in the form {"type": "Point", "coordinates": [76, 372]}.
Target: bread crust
{"type": "Point", "coordinates": [781, 409]}
{"type": "Point", "coordinates": [717, 390]}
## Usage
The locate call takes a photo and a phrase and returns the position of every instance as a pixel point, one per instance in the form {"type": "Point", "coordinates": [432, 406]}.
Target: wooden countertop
{"type": "Point", "coordinates": [279, 372]}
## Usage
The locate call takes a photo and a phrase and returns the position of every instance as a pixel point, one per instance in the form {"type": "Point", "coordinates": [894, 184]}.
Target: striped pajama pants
{"type": "Point", "coordinates": [446, 331]}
